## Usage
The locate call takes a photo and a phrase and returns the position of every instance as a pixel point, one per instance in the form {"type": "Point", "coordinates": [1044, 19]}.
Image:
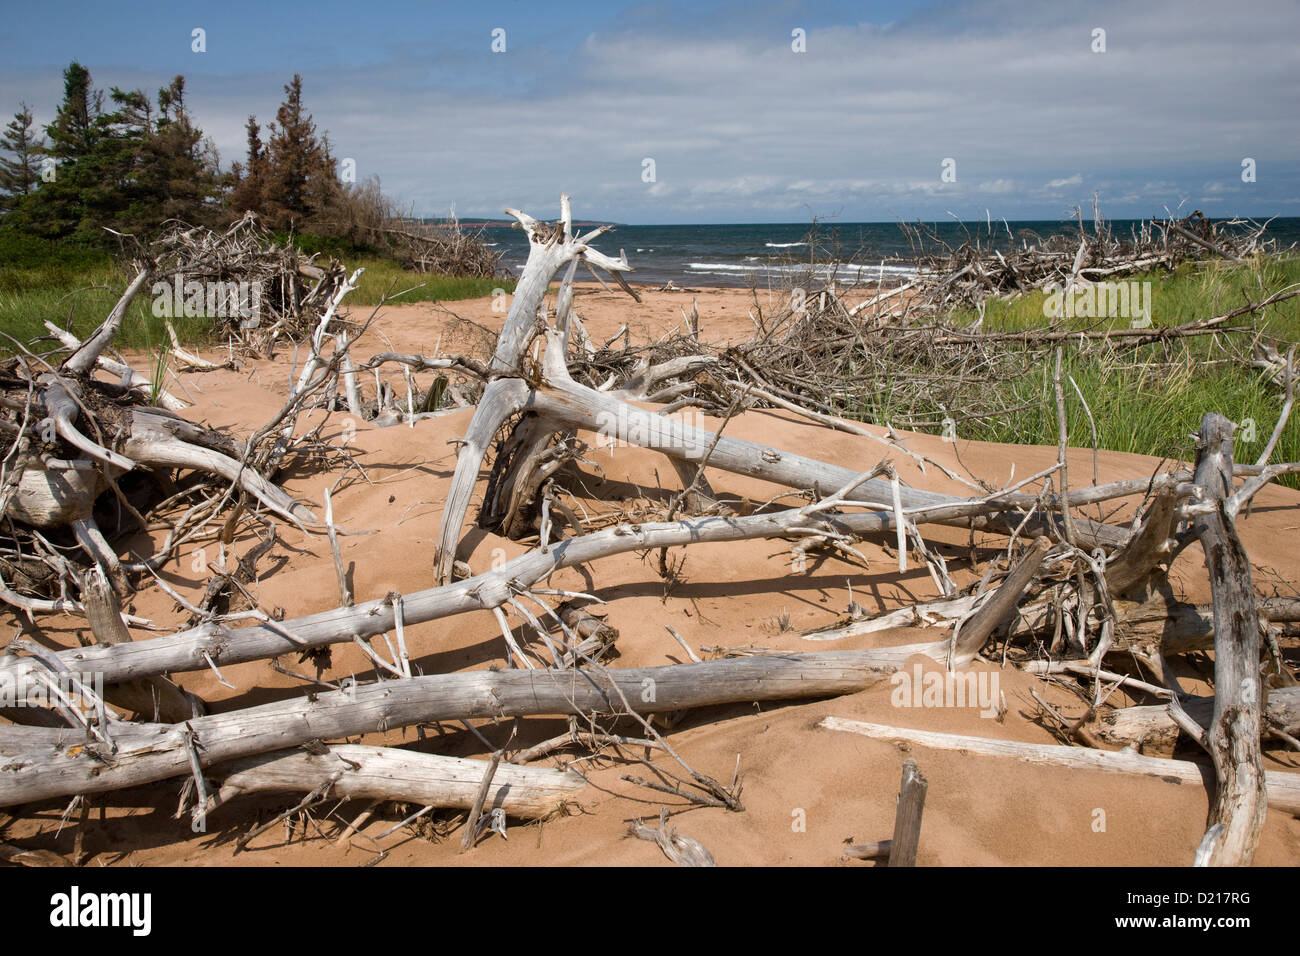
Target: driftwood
{"type": "Point", "coordinates": [550, 401]}
{"type": "Point", "coordinates": [1152, 730]}
{"type": "Point", "coordinates": [682, 850]}
{"type": "Point", "coordinates": [907, 821]}
{"type": "Point", "coordinates": [74, 437]}
{"type": "Point", "coordinates": [155, 698]}
{"type": "Point", "coordinates": [1233, 738]}
{"type": "Point", "coordinates": [191, 649]}
{"type": "Point", "coordinates": [146, 753]}
{"type": "Point", "coordinates": [545, 384]}
{"type": "Point", "coordinates": [1283, 788]}
{"type": "Point", "coordinates": [385, 773]}
{"type": "Point", "coordinates": [971, 636]}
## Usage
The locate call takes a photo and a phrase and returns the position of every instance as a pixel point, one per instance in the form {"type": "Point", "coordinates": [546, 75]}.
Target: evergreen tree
{"type": "Point", "coordinates": [64, 204]}
{"type": "Point", "coordinates": [21, 175]}
{"type": "Point", "coordinates": [178, 173]}
{"type": "Point", "coordinates": [300, 183]}
{"type": "Point", "coordinates": [128, 170]}
{"type": "Point", "coordinates": [250, 179]}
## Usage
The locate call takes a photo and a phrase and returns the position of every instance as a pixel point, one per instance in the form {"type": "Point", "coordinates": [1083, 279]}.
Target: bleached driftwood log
{"type": "Point", "coordinates": [1283, 788]}
{"type": "Point", "coordinates": [1152, 730]}
{"type": "Point", "coordinates": [124, 373]}
{"type": "Point", "coordinates": [156, 698]}
{"type": "Point", "coordinates": [103, 432]}
{"type": "Point", "coordinates": [193, 649]}
{"type": "Point", "coordinates": [1233, 739]}
{"type": "Point", "coordinates": [550, 247]}
{"type": "Point", "coordinates": [147, 753]}
{"type": "Point", "coordinates": [997, 610]}
{"type": "Point", "coordinates": [159, 440]}
{"type": "Point", "coordinates": [386, 773]}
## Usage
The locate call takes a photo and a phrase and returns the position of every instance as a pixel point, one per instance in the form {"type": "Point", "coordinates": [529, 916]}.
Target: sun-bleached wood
{"type": "Point", "coordinates": [191, 649]}
{"type": "Point", "coordinates": [386, 773]}
{"type": "Point", "coordinates": [1233, 738]}
{"type": "Point", "coordinates": [156, 752]}
{"type": "Point", "coordinates": [1152, 730]}
{"type": "Point", "coordinates": [1283, 788]}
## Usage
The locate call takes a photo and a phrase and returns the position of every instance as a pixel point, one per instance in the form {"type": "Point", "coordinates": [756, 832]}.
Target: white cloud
{"type": "Point", "coordinates": [742, 128]}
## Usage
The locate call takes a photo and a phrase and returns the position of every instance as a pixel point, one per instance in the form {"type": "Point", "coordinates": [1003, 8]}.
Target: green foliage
{"type": "Point", "coordinates": [1147, 400]}
{"type": "Point", "coordinates": [1193, 291]}
{"type": "Point", "coordinates": [20, 175]}
{"type": "Point", "coordinates": [383, 275]}
{"type": "Point", "coordinates": [290, 180]}
{"type": "Point", "coordinates": [127, 169]}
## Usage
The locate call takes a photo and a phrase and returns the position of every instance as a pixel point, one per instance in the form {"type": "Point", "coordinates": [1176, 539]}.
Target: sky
{"type": "Point", "coordinates": [692, 112]}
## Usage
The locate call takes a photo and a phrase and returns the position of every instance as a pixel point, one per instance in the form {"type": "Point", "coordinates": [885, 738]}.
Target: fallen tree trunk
{"type": "Point", "coordinates": [1283, 788]}
{"type": "Point", "coordinates": [560, 401]}
{"type": "Point", "coordinates": [971, 636]}
{"type": "Point", "coordinates": [159, 751]}
{"type": "Point", "coordinates": [386, 773]}
{"type": "Point", "coordinates": [155, 698]}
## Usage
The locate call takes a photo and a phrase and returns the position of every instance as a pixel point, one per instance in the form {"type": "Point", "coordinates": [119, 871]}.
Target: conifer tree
{"type": "Point", "coordinates": [20, 175]}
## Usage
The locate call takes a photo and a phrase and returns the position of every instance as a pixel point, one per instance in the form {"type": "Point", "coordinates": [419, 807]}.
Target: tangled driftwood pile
{"type": "Point", "coordinates": [969, 273]}
{"type": "Point", "coordinates": [257, 293]}
{"type": "Point", "coordinates": [1072, 597]}
{"type": "Point", "coordinates": [444, 250]}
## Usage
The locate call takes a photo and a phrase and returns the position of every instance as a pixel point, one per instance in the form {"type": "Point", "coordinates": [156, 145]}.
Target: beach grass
{"type": "Point", "coordinates": [1193, 291]}
{"type": "Point", "coordinates": [1149, 399]}
{"type": "Point", "coordinates": [78, 292]}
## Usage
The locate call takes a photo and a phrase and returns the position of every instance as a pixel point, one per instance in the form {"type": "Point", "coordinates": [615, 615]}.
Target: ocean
{"type": "Point", "coordinates": [765, 255]}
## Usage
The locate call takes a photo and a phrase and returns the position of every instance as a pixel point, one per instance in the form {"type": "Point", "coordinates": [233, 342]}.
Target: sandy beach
{"type": "Point", "coordinates": [808, 791]}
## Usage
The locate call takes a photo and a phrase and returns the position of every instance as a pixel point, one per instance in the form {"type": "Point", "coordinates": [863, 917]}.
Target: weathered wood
{"type": "Point", "coordinates": [943, 612]}
{"type": "Point", "coordinates": [549, 248]}
{"type": "Point", "coordinates": [997, 610]}
{"type": "Point", "coordinates": [123, 373]}
{"type": "Point", "coordinates": [155, 698]}
{"type": "Point", "coordinates": [556, 396]}
{"type": "Point", "coordinates": [158, 751]}
{"type": "Point", "coordinates": [682, 850]}
{"type": "Point", "coordinates": [386, 773]}
{"type": "Point", "coordinates": [1151, 730]}
{"type": "Point", "coordinates": [907, 821]}
{"type": "Point", "coordinates": [1239, 802]}
{"type": "Point", "coordinates": [577, 406]}
{"type": "Point", "coordinates": [1283, 788]}
{"type": "Point", "coordinates": [56, 492]}
{"type": "Point", "coordinates": [191, 649]}
{"type": "Point", "coordinates": [63, 411]}
{"type": "Point", "coordinates": [878, 850]}
{"type": "Point", "coordinates": [480, 798]}
{"type": "Point", "coordinates": [1141, 559]}
{"type": "Point", "coordinates": [154, 441]}
{"type": "Point", "coordinates": [83, 360]}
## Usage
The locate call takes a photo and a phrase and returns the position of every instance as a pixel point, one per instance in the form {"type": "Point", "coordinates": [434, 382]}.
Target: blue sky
{"type": "Point", "coordinates": [741, 128]}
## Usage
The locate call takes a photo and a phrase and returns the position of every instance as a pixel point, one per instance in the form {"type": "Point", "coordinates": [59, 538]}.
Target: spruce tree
{"type": "Point", "coordinates": [300, 181]}
{"type": "Point", "coordinates": [21, 175]}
